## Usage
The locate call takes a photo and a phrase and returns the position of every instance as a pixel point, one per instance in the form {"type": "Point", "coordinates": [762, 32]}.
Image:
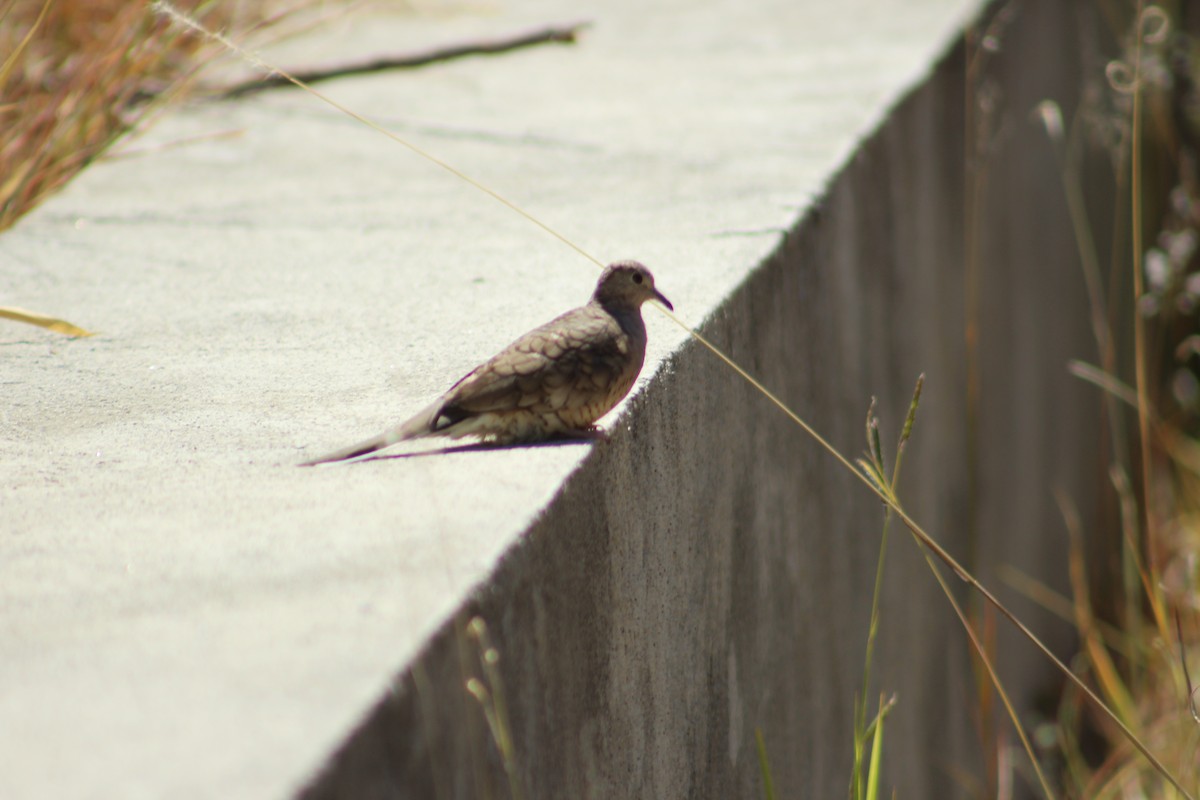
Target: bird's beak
{"type": "Point", "coordinates": [659, 297]}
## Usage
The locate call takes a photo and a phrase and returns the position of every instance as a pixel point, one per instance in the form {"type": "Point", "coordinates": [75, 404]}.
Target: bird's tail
{"type": "Point", "coordinates": [353, 451]}
{"type": "Point", "coordinates": [420, 425]}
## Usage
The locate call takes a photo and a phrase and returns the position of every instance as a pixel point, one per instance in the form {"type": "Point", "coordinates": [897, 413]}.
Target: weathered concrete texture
{"type": "Point", "coordinates": [710, 573]}
{"type": "Point", "coordinates": [183, 613]}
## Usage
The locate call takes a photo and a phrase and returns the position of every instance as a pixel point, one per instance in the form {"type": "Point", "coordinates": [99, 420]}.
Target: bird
{"type": "Point", "coordinates": [555, 381]}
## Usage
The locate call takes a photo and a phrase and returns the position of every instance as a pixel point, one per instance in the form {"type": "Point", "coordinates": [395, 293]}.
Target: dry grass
{"type": "Point", "coordinates": [79, 74]}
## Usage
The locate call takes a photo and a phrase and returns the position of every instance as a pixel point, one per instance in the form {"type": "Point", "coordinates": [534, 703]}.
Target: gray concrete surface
{"type": "Point", "coordinates": [184, 614]}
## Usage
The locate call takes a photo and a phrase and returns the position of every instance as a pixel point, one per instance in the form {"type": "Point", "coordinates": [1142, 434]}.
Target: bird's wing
{"type": "Point", "coordinates": [546, 369]}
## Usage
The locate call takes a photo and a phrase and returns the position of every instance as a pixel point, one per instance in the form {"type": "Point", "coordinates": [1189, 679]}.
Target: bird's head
{"type": "Point", "coordinates": [627, 284]}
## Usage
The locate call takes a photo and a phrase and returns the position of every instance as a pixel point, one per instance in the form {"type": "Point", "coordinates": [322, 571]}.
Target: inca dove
{"type": "Point", "coordinates": [555, 380]}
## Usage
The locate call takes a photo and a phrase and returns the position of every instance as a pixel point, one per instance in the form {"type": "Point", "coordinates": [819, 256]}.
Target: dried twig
{"type": "Point", "coordinates": [551, 35]}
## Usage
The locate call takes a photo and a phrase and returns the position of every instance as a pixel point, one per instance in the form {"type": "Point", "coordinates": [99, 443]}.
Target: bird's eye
{"type": "Point", "coordinates": [637, 277]}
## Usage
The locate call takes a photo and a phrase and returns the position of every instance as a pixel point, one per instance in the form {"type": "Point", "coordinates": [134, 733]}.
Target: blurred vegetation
{"type": "Point", "coordinates": [77, 75]}
{"type": "Point", "coordinates": [1136, 610]}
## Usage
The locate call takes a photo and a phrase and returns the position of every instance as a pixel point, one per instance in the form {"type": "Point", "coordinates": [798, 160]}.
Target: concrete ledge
{"type": "Point", "coordinates": [710, 573]}
{"type": "Point", "coordinates": [184, 614]}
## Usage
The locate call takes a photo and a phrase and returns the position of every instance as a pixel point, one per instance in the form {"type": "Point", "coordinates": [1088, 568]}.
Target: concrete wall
{"type": "Point", "coordinates": [709, 572]}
